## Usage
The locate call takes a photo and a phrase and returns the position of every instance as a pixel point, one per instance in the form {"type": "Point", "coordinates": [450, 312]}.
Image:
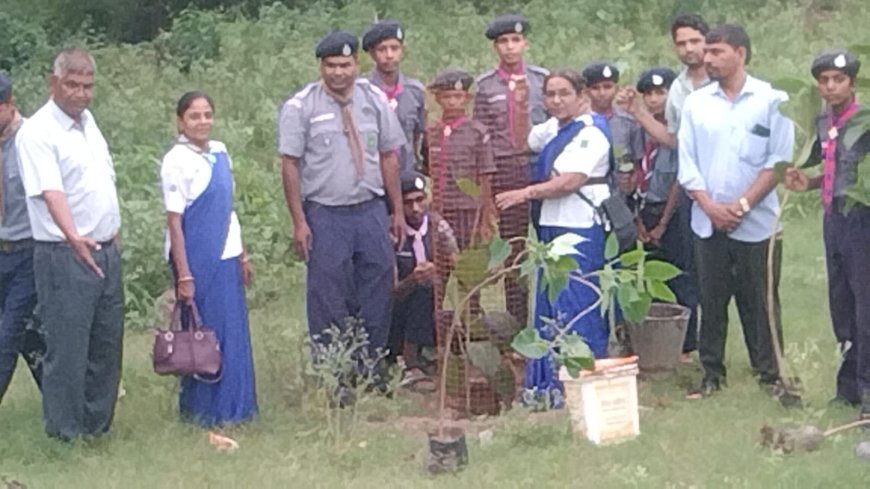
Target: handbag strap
{"type": "Point", "coordinates": [175, 322]}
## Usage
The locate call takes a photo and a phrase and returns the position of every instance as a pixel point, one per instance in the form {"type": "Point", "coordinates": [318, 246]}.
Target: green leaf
{"type": "Point", "coordinates": [779, 170]}
{"type": "Point", "coordinates": [660, 290]}
{"type": "Point", "coordinates": [632, 257]}
{"type": "Point", "coordinates": [485, 356]}
{"type": "Point", "coordinates": [468, 187]}
{"type": "Point", "coordinates": [660, 270]}
{"type": "Point", "coordinates": [636, 311]}
{"type": "Point", "coordinates": [860, 49]}
{"type": "Point", "coordinates": [565, 245]}
{"type": "Point", "coordinates": [499, 250]}
{"type": "Point", "coordinates": [529, 344]}
{"type": "Point", "coordinates": [575, 354]}
{"type": "Point", "coordinates": [627, 293]}
{"type": "Point", "coordinates": [470, 267]}
{"type": "Point", "coordinates": [860, 124]}
{"type": "Point", "coordinates": [611, 247]}
{"type": "Point", "coordinates": [502, 327]}
{"type": "Point", "coordinates": [528, 268]}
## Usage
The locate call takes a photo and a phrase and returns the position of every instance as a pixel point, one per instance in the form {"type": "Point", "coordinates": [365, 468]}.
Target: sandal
{"type": "Point", "coordinates": [415, 379]}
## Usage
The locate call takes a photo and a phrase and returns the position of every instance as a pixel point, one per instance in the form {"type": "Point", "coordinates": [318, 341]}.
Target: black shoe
{"type": "Point", "coordinates": [706, 389]}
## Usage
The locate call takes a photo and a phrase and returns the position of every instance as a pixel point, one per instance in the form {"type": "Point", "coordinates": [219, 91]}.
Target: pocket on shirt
{"type": "Point", "coordinates": [369, 135]}
{"type": "Point", "coordinates": [322, 137]}
{"type": "Point", "coordinates": [753, 150]}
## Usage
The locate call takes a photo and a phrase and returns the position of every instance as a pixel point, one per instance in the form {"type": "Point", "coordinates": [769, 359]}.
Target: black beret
{"type": "Point", "coordinates": [836, 59]}
{"type": "Point", "coordinates": [452, 79]}
{"type": "Point", "coordinates": [337, 43]}
{"type": "Point", "coordinates": [381, 31]}
{"type": "Point", "coordinates": [658, 77]}
{"type": "Point", "coordinates": [412, 182]}
{"type": "Point", "coordinates": [5, 88]}
{"type": "Point", "coordinates": [599, 71]}
{"type": "Point", "coordinates": [507, 24]}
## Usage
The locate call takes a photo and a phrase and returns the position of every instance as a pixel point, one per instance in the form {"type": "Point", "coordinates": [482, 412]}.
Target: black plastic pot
{"type": "Point", "coordinates": [448, 451]}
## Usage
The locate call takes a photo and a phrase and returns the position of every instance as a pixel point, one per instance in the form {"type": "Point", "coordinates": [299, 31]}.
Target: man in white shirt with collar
{"type": "Point", "coordinates": [731, 135]}
{"type": "Point", "coordinates": [69, 180]}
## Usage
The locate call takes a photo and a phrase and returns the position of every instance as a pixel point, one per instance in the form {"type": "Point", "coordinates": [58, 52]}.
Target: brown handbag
{"type": "Point", "coordinates": [194, 351]}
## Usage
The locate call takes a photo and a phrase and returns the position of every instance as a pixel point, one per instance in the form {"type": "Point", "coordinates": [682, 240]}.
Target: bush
{"type": "Point", "coordinates": [249, 67]}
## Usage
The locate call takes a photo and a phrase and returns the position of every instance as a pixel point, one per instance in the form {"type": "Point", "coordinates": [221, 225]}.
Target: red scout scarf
{"type": "Point", "coordinates": [829, 148]}
{"type": "Point", "coordinates": [647, 164]}
{"type": "Point", "coordinates": [517, 103]}
{"type": "Point", "coordinates": [393, 95]}
{"type": "Point", "coordinates": [446, 128]}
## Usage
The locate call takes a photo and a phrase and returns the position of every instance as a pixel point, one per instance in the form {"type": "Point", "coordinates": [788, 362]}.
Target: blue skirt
{"type": "Point", "coordinates": [541, 383]}
{"type": "Point", "coordinates": [233, 399]}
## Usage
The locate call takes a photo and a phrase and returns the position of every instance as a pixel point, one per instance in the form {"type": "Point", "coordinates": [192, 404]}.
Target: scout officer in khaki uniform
{"type": "Point", "coordinates": [509, 101]}
{"type": "Point", "coordinates": [338, 139]}
{"type": "Point", "coordinates": [846, 231]}
{"type": "Point", "coordinates": [385, 43]}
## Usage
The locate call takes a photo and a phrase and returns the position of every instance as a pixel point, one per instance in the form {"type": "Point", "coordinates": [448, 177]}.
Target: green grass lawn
{"type": "Point", "coordinates": [704, 444]}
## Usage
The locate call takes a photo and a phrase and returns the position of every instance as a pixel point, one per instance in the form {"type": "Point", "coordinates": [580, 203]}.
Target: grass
{"type": "Point", "coordinates": [707, 444]}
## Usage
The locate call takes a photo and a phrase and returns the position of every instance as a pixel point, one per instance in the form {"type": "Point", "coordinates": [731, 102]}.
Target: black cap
{"type": "Point", "coordinates": [5, 88]}
{"type": "Point", "coordinates": [337, 43]}
{"type": "Point", "coordinates": [452, 79]}
{"type": "Point", "coordinates": [507, 24]}
{"type": "Point", "coordinates": [658, 77]}
{"type": "Point", "coordinates": [836, 59]}
{"type": "Point", "coordinates": [599, 71]}
{"type": "Point", "coordinates": [413, 182]}
{"type": "Point", "coordinates": [381, 31]}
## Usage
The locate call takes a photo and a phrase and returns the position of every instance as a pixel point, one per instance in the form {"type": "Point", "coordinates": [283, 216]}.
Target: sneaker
{"type": "Point", "coordinates": [706, 389]}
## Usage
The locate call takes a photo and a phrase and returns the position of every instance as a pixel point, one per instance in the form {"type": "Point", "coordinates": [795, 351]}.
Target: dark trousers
{"type": "Point", "coordinates": [18, 298]}
{"type": "Point", "coordinates": [413, 320]}
{"type": "Point", "coordinates": [847, 249]}
{"type": "Point", "coordinates": [83, 318]}
{"type": "Point", "coordinates": [729, 268]}
{"type": "Point", "coordinates": [677, 249]}
{"type": "Point", "coordinates": [350, 268]}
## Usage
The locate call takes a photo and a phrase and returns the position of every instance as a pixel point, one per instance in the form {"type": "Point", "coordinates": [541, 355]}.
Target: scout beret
{"type": "Point", "coordinates": [599, 71]}
{"type": "Point", "coordinates": [836, 59]}
{"type": "Point", "coordinates": [452, 79]}
{"type": "Point", "coordinates": [381, 31]}
{"type": "Point", "coordinates": [658, 77]}
{"type": "Point", "coordinates": [337, 43]}
{"type": "Point", "coordinates": [412, 182]}
{"type": "Point", "coordinates": [507, 24]}
{"type": "Point", "coordinates": [5, 88]}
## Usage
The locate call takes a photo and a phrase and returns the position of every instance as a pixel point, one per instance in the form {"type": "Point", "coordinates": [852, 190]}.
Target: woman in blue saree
{"type": "Point", "coordinates": [209, 263]}
{"type": "Point", "coordinates": [574, 158]}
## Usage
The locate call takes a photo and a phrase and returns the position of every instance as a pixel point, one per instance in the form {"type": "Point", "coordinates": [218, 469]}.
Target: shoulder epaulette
{"type": "Point", "coordinates": [297, 98]}
{"type": "Point", "coordinates": [484, 76]}
{"type": "Point", "coordinates": [538, 70]}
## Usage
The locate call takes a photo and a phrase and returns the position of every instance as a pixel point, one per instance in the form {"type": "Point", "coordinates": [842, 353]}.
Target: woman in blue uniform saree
{"type": "Point", "coordinates": [209, 264]}
{"type": "Point", "coordinates": [574, 159]}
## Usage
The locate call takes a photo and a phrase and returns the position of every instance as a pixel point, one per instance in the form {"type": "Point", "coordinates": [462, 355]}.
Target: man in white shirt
{"type": "Point", "coordinates": [731, 136]}
{"type": "Point", "coordinates": [69, 180]}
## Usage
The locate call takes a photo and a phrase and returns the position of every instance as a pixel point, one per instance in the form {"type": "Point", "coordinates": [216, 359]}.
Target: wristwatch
{"type": "Point", "coordinates": [744, 205]}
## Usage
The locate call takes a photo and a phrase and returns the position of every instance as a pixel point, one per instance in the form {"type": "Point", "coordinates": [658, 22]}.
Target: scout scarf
{"type": "Point", "coordinates": [517, 104]}
{"type": "Point", "coordinates": [647, 164]}
{"type": "Point", "coordinates": [418, 234]}
{"type": "Point", "coordinates": [393, 95]}
{"type": "Point", "coordinates": [829, 148]}
{"type": "Point", "coordinates": [447, 129]}
{"type": "Point", "coordinates": [4, 136]}
{"type": "Point", "coordinates": [350, 129]}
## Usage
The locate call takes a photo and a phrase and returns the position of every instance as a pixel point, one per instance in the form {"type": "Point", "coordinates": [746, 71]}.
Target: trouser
{"type": "Point", "coordinates": [351, 269]}
{"type": "Point", "coordinates": [83, 318]}
{"type": "Point", "coordinates": [413, 320]}
{"type": "Point", "coordinates": [676, 249]}
{"type": "Point", "coordinates": [729, 268]}
{"type": "Point", "coordinates": [513, 173]}
{"type": "Point", "coordinates": [847, 250]}
{"type": "Point", "coordinates": [18, 298]}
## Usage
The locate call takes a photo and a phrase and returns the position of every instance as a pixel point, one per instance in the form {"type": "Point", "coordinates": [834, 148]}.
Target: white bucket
{"type": "Point", "coordinates": [603, 404]}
